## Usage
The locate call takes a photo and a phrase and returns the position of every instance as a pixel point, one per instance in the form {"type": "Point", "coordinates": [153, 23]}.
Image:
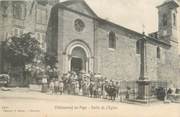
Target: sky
{"type": "Point", "coordinates": [132, 14]}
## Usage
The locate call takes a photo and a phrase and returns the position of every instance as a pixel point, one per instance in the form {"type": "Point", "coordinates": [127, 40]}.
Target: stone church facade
{"type": "Point", "coordinates": [83, 41]}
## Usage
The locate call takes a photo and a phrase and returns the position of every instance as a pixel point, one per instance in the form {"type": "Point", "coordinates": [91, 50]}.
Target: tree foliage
{"type": "Point", "coordinates": [50, 60]}
{"type": "Point", "coordinates": [51, 68]}
{"type": "Point", "coordinates": [20, 51]}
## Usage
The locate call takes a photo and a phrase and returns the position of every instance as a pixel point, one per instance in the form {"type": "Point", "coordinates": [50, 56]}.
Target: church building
{"type": "Point", "coordinates": [83, 41]}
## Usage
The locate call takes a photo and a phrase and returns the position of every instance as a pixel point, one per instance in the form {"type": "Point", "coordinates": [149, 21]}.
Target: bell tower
{"type": "Point", "coordinates": [167, 13]}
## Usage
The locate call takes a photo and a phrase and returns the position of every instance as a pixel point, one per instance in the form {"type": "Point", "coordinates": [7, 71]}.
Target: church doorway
{"type": "Point", "coordinates": [78, 57]}
{"type": "Point", "coordinates": [76, 64]}
{"type": "Point", "coordinates": [78, 60]}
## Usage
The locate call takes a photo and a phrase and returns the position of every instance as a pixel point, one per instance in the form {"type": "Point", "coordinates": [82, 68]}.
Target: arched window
{"type": "Point", "coordinates": [41, 16]}
{"type": "Point", "coordinates": [112, 40]}
{"type": "Point", "coordinates": [164, 20]}
{"type": "Point", "coordinates": [138, 47]}
{"type": "Point", "coordinates": [174, 19]}
{"type": "Point", "coordinates": [19, 10]}
{"type": "Point", "coordinates": [158, 52]}
{"type": "Point", "coordinates": [4, 6]}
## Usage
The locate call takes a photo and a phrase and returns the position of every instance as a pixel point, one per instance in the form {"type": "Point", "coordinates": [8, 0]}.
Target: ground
{"type": "Point", "coordinates": [26, 103]}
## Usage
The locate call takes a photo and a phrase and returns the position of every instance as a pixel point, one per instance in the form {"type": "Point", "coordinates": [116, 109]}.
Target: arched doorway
{"type": "Point", "coordinates": [78, 57]}
{"type": "Point", "coordinates": [78, 60]}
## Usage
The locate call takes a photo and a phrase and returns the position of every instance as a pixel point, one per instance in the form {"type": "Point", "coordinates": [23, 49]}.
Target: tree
{"type": "Point", "coordinates": [22, 50]}
{"type": "Point", "coordinates": [50, 62]}
{"type": "Point", "coordinates": [36, 70]}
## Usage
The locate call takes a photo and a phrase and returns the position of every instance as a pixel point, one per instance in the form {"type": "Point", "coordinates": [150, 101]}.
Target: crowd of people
{"type": "Point", "coordinates": [96, 86]}
{"type": "Point", "coordinates": [83, 84]}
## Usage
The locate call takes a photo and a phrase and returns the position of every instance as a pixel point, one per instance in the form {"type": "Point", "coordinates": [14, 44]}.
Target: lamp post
{"type": "Point", "coordinates": [143, 82]}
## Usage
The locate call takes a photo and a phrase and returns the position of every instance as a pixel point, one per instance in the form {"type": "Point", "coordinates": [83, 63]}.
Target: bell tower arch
{"type": "Point", "coordinates": [167, 13]}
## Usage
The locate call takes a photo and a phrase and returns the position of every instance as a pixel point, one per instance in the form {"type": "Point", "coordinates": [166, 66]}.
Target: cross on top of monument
{"type": "Point", "coordinates": [143, 27]}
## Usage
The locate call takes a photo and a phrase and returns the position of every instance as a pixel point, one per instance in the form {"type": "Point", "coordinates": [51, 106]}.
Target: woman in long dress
{"type": "Point", "coordinates": [56, 84]}
{"type": "Point", "coordinates": [76, 88]}
{"type": "Point", "coordinates": [105, 84]}
{"type": "Point", "coordinates": [61, 87]}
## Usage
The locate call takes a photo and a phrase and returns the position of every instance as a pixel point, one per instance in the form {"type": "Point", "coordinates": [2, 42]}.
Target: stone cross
{"type": "Point", "coordinates": [143, 82]}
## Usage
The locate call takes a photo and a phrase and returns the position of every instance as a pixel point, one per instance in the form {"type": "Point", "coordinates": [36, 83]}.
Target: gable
{"type": "Point", "coordinates": [79, 6]}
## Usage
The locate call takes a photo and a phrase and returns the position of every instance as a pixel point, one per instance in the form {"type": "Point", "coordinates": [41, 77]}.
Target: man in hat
{"type": "Point", "coordinates": [117, 86]}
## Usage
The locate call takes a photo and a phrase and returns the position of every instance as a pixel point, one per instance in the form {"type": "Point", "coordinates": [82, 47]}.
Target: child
{"type": "Point", "coordinates": [56, 83]}
{"type": "Point", "coordinates": [51, 86]}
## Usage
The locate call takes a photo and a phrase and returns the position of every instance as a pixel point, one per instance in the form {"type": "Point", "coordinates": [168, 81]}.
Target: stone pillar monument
{"type": "Point", "coordinates": [143, 82]}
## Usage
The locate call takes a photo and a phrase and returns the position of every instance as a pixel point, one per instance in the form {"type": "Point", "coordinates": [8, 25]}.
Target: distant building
{"type": "Point", "coordinates": [18, 17]}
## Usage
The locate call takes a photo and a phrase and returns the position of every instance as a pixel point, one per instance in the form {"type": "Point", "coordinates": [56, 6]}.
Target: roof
{"type": "Point", "coordinates": [65, 5]}
{"type": "Point", "coordinates": [171, 3]}
{"type": "Point", "coordinates": [70, 2]}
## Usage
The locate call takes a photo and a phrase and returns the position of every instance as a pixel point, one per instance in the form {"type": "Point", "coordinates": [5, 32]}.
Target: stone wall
{"type": "Point", "coordinates": [67, 34]}
{"type": "Point", "coordinates": [151, 54]}
{"type": "Point", "coordinates": [169, 67]}
{"type": "Point", "coordinates": [120, 63]}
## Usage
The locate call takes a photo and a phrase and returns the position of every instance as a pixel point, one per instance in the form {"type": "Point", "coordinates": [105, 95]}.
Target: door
{"type": "Point", "coordinates": [76, 64]}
